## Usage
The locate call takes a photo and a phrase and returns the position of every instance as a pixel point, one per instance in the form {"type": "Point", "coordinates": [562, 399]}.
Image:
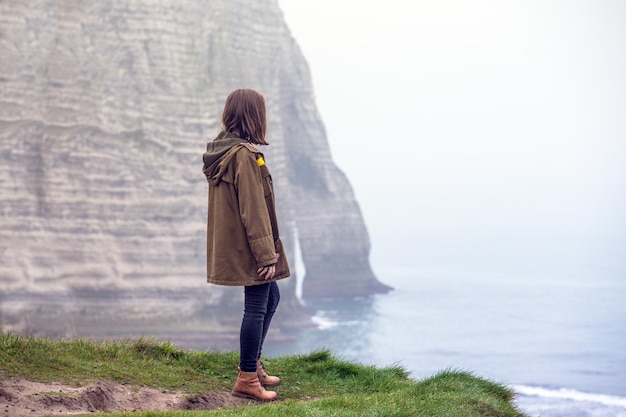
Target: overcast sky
{"type": "Point", "coordinates": [460, 121]}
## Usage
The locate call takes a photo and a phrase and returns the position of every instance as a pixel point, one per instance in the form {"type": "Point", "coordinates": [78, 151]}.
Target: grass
{"type": "Point", "coordinates": [317, 384]}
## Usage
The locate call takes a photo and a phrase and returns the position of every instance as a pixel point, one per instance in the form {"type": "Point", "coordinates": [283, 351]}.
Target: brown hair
{"type": "Point", "coordinates": [245, 115]}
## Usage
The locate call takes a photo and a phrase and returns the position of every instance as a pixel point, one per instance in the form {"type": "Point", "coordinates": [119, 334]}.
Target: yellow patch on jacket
{"type": "Point", "coordinates": [260, 161]}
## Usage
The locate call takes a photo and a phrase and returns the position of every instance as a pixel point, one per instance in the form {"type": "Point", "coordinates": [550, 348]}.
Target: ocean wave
{"type": "Point", "coordinates": [323, 322]}
{"type": "Point", "coordinates": [570, 394]}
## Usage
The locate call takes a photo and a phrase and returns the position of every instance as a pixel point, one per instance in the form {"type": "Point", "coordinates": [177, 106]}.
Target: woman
{"type": "Point", "coordinates": [243, 245]}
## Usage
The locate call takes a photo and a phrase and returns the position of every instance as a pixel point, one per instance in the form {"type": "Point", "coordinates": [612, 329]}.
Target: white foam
{"type": "Point", "coordinates": [324, 323]}
{"type": "Point", "coordinates": [570, 394]}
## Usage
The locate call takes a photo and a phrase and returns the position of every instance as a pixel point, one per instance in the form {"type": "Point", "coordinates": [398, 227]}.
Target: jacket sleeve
{"type": "Point", "coordinates": [253, 209]}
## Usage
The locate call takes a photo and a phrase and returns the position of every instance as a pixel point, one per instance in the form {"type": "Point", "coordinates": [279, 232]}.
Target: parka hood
{"type": "Point", "coordinates": [218, 154]}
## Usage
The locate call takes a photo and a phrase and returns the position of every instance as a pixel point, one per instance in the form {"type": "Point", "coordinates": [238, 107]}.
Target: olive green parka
{"type": "Point", "coordinates": [242, 229]}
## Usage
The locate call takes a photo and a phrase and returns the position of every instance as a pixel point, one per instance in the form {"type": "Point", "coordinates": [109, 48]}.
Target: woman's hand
{"type": "Point", "coordinates": [268, 272]}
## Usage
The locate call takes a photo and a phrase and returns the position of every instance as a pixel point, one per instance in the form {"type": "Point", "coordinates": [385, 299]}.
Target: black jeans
{"type": "Point", "coordinates": [259, 308]}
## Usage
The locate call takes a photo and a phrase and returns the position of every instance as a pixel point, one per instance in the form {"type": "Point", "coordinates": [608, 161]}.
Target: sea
{"type": "Point", "coordinates": [554, 333]}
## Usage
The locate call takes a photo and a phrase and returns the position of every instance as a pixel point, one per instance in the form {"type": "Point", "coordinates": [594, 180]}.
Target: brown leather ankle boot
{"type": "Point", "coordinates": [264, 378]}
{"type": "Point", "coordinates": [249, 386]}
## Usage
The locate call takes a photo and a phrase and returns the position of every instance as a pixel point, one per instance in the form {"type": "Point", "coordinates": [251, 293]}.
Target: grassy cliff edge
{"type": "Point", "coordinates": [317, 384]}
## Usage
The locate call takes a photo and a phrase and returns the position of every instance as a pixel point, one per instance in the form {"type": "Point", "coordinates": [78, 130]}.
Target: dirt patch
{"type": "Point", "coordinates": [19, 398]}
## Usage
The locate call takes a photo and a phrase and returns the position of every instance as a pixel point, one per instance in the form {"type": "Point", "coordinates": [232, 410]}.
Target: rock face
{"type": "Point", "coordinates": [105, 111]}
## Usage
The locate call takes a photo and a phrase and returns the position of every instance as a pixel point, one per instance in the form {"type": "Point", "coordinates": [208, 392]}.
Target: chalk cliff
{"type": "Point", "coordinates": [105, 111]}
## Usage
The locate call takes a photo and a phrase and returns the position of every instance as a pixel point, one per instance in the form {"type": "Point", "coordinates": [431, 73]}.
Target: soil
{"type": "Point", "coordinates": [20, 398]}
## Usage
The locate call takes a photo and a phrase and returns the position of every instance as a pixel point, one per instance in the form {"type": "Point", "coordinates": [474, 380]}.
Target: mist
{"type": "Point", "coordinates": [480, 133]}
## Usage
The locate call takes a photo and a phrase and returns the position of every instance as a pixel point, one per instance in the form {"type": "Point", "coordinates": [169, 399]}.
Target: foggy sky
{"type": "Point", "coordinates": [493, 123]}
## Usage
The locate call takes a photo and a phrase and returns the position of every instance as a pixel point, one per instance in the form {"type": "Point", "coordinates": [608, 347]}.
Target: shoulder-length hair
{"type": "Point", "coordinates": [245, 115]}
